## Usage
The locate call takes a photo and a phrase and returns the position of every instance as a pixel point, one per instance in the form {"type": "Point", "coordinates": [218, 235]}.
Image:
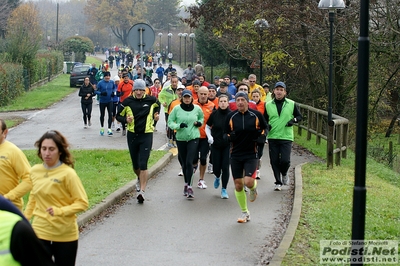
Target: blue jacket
{"type": "Point", "coordinates": [160, 71]}
{"type": "Point", "coordinates": [232, 89]}
{"type": "Point", "coordinates": [109, 88]}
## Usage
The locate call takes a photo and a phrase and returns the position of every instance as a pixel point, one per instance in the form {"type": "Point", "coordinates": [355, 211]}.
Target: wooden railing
{"type": "Point", "coordinates": [315, 122]}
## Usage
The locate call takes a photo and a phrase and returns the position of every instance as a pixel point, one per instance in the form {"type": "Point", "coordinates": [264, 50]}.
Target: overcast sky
{"type": "Point", "coordinates": [188, 2]}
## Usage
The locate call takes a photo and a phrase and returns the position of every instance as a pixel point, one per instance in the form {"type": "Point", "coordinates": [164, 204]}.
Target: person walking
{"type": "Point", "coordinates": [219, 145]}
{"type": "Point", "coordinates": [186, 119]}
{"type": "Point", "coordinates": [203, 148]}
{"type": "Point", "coordinates": [243, 127]}
{"type": "Point", "coordinates": [139, 111]}
{"type": "Point", "coordinates": [199, 69]}
{"type": "Point", "coordinates": [14, 170]}
{"type": "Point", "coordinates": [281, 114]}
{"type": "Point", "coordinates": [160, 73]}
{"type": "Point", "coordinates": [166, 96]}
{"type": "Point", "coordinates": [92, 71]}
{"type": "Point", "coordinates": [256, 97]}
{"type": "Point", "coordinates": [57, 196]}
{"type": "Point", "coordinates": [106, 89]}
{"type": "Point", "coordinates": [86, 92]}
{"type": "Point", "coordinates": [124, 90]}
{"type": "Point", "coordinates": [188, 73]}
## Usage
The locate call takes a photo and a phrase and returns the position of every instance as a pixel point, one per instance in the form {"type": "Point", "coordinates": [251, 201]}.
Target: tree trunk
{"type": "Point", "coordinates": [391, 126]}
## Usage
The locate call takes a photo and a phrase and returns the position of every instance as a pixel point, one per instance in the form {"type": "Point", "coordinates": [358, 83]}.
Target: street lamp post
{"type": "Point", "coordinates": [261, 25]}
{"type": "Point", "coordinates": [331, 6]}
{"type": "Point", "coordinates": [192, 36]}
{"type": "Point", "coordinates": [169, 42]}
{"type": "Point", "coordinates": [180, 48]}
{"type": "Point", "coordinates": [160, 35]}
{"type": "Point", "coordinates": [184, 35]}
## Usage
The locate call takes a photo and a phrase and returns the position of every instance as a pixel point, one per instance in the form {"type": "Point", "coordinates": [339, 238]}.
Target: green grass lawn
{"type": "Point", "coordinates": [327, 205]}
{"type": "Point", "coordinates": [101, 171]}
{"type": "Point", "coordinates": [44, 96]}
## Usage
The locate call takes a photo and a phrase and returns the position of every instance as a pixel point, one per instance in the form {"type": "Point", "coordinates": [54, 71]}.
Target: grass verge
{"type": "Point", "coordinates": [101, 171]}
{"type": "Point", "coordinates": [46, 95]}
{"type": "Point", "coordinates": [327, 205]}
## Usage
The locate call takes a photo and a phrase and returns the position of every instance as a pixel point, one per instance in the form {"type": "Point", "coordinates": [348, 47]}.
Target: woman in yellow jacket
{"type": "Point", "coordinates": [57, 196]}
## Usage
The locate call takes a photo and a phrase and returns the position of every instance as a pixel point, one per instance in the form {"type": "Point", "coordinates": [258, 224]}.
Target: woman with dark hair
{"type": "Point", "coordinates": [186, 119]}
{"type": "Point", "coordinates": [57, 196]}
{"type": "Point", "coordinates": [219, 145]}
{"type": "Point", "coordinates": [86, 92]}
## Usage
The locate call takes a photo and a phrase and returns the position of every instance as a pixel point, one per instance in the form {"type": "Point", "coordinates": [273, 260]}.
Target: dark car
{"type": "Point", "coordinates": [78, 74]}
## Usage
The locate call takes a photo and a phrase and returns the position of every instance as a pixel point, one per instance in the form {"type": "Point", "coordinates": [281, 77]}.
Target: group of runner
{"type": "Point", "coordinates": [202, 117]}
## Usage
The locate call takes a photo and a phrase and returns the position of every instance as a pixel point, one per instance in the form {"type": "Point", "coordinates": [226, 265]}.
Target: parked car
{"type": "Point", "coordinates": [78, 74]}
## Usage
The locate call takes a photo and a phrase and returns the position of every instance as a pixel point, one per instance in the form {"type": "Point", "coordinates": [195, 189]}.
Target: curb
{"type": "Point", "coordinates": [287, 239]}
{"type": "Point", "coordinates": [117, 195]}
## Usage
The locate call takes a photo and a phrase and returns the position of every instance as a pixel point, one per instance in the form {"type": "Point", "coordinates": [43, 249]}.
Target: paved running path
{"type": "Point", "coordinates": [167, 229]}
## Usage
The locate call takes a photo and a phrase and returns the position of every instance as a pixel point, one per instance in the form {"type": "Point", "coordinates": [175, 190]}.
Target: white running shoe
{"type": "Point", "coordinates": [202, 184]}
{"type": "Point", "coordinates": [278, 187]}
{"type": "Point", "coordinates": [180, 173]}
{"type": "Point", "coordinates": [244, 217]}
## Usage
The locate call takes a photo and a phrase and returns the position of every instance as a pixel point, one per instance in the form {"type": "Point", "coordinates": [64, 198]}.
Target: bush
{"type": "Point", "coordinates": [11, 82]}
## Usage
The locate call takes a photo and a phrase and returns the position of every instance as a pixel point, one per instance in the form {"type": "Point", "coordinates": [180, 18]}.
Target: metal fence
{"type": "Point", "coordinates": [315, 122]}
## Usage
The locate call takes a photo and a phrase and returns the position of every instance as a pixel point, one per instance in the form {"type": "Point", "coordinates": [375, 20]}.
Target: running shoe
{"type": "Point", "coordinates": [118, 129]}
{"type": "Point", "coordinates": [140, 197]}
{"type": "Point", "coordinates": [253, 194]}
{"type": "Point", "coordinates": [285, 180]}
{"type": "Point", "coordinates": [90, 123]}
{"type": "Point", "coordinates": [138, 185]}
{"type": "Point", "coordinates": [123, 132]}
{"type": "Point", "coordinates": [102, 132]}
{"type": "Point", "coordinates": [180, 173]}
{"type": "Point", "coordinates": [246, 189]}
{"type": "Point", "coordinates": [210, 168]}
{"type": "Point", "coordinates": [202, 184]}
{"type": "Point", "coordinates": [216, 182]}
{"type": "Point", "coordinates": [278, 187]}
{"type": "Point", "coordinates": [244, 218]}
{"type": "Point", "coordinates": [258, 175]}
{"type": "Point", "coordinates": [185, 190]}
{"type": "Point", "coordinates": [224, 194]}
{"type": "Point", "coordinates": [190, 194]}
{"type": "Point", "coordinates": [112, 126]}
{"type": "Point", "coordinates": [109, 132]}
{"type": "Point", "coordinates": [85, 126]}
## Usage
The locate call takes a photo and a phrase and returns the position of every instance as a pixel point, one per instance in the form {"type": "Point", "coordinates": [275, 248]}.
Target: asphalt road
{"type": "Point", "coordinates": [167, 229]}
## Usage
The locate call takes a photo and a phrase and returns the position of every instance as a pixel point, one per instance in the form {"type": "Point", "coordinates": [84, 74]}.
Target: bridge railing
{"type": "Point", "coordinates": [336, 133]}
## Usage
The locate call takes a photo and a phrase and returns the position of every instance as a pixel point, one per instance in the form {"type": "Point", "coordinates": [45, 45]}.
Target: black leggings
{"type": "Point", "coordinates": [279, 155]}
{"type": "Point", "coordinates": [186, 153]}
{"type": "Point", "coordinates": [202, 152]}
{"type": "Point", "coordinates": [87, 112]}
{"type": "Point", "coordinates": [220, 162]}
{"type": "Point", "coordinates": [103, 107]}
{"type": "Point", "coordinates": [64, 253]}
{"type": "Point", "coordinates": [139, 148]}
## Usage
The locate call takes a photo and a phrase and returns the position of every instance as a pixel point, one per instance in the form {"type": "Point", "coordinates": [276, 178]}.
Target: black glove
{"type": "Point", "coordinates": [197, 124]}
{"type": "Point", "coordinates": [232, 136]}
{"type": "Point", "coordinates": [182, 125]}
{"type": "Point", "coordinates": [104, 93]}
{"type": "Point", "coordinates": [290, 123]}
{"type": "Point", "coordinates": [261, 139]}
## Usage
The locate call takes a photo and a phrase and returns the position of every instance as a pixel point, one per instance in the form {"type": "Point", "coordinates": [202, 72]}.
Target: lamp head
{"type": "Point", "coordinates": [331, 4]}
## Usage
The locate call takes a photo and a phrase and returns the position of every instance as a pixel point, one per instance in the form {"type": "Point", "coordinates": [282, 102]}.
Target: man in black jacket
{"type": "Point", "coordinates": [139, 112]}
